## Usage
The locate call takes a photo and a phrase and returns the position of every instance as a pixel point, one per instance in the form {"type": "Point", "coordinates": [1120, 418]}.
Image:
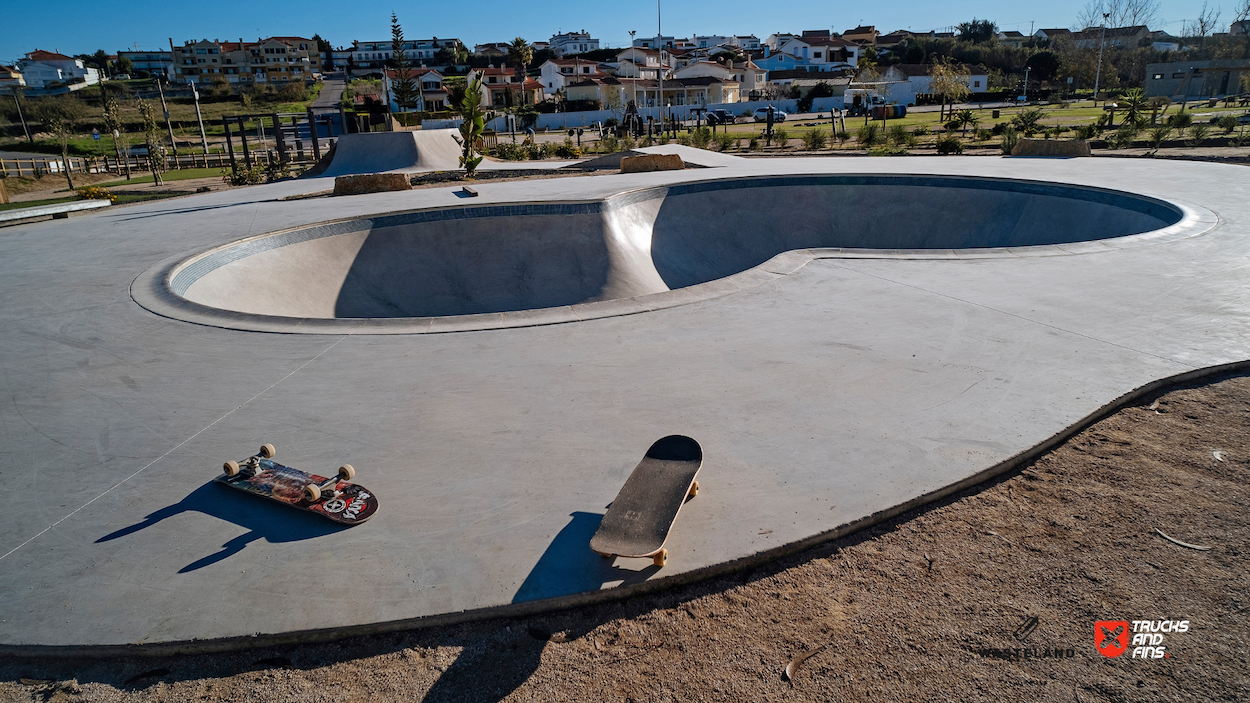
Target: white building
{"type": "Point", "coordinates": [749, 77]}
{"type": "Point", "coordinates": [48, 69]}
{"type": "Point", "coordinates": [372, 56]}
{"type": "Point", "coordinates": [819, 52]}
{"type": "Point", "coordinates": [635, 62]}
{"type": "Point", "coordinates": [429, 83]}
{"type": "Point", "coordinates": [154, 63]}
{"type": "Point", "coordinates": [573, 43]}
{"type": "Point", "coordinates": [10, 79]}
{"type": "Point", "coordinates": [557, 74]}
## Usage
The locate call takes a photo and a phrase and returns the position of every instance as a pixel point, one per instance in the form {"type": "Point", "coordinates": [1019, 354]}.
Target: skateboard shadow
{"type": "Point", "coordinates": [262, 518]}
{"type": "Point", "coordinates": [568, 566]}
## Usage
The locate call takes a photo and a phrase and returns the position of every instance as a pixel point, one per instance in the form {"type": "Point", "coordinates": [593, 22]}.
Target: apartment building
{"type": "Point", "coordinates": [375, 56]}
{"type": "Point", "coordinates": [272, 60]}
{"type": "Point", "coordinates": [153, 63]}
{"type": "Point", "coordinates": [573, 43]}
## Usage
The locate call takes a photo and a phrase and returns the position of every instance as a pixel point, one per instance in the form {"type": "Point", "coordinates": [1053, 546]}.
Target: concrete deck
{"type": "Point", "coordinates": [838, 391]}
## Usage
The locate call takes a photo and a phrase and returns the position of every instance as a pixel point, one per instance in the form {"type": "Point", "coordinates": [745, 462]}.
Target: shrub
{"type": "Point", "coordinates": [1086, 131]}
{"type": "Point", "coordinates": [1180, 122]}
{"type": "Point", "coordinates": [1160, 134]}
{"type": "Point", "coordinates": [897, 134]}
{"type": "Point", "coordinates": [982, 135]}
{"type": "Point", "coordinates": [1123, 136]}
{"type": "Point", "coordinates": [782, 137]}
{"type": "Point", "coordinates": [646, 142]}
{"type": "Point", "coordinates": [815, 139]}
{"type": "Point", "coordinates": [737, 143]}
{"type": "Point", "coordinates": [628, 143]}
{"type": "Point", "coordinates": [293, 92]}
{"type": "Point", "coordinates": [567, 150]}
{"type": "Point", "coordinates": [949, 145]}
{"type": "Point", "coordinates": [755, 144]}
{"type": "Point", "coordinates": [869, 135]}
{"type": "Point", "coordinates": [921, 130]}
{"type": "Point", "coordinates": [509, 152]}
{"type": "Point", "coordinates": [724, 141]}
{"type": "Point", "coordinates": [843, 137]}
{"type": "Point", "coordinates": [1197, 133]}
{"type": "Point", "coordinates": [241, 175]}
{"type": "Point", "coordinates": [609, 144]}
{"type": "Point", "coordinates": [1010, 138]}
{"type": "Point", "coordinates": [95, 193]}
{"type": "Point", "coordinates": [685, 140]}
{"type": "Point", "coordinates": [701, 137]}
{"type": "Point", "coordinates": [1227, 123]}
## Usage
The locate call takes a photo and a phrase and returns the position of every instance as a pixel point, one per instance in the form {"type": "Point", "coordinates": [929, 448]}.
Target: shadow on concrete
{"type": "Point", "coordinates": [568, 566]}
{"type": "Point", "coordinates": [183, 210]}
{"type": "Point", "coordinates": [262, 518]}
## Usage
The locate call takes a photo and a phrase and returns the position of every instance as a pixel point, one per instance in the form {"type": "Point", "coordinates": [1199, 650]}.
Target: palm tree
{"type": "Point", "coordinates": [1135, 104]}
{"type": "Point", "coordinates": [520, 53]}
{"type": "Point", "coordinates": [966, 118]}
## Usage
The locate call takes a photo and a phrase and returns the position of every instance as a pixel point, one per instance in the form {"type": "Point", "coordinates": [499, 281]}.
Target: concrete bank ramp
{"type": "Point", "coordinates": [693, 155]}
{"type": "Point", "coordinates": [402, 152]}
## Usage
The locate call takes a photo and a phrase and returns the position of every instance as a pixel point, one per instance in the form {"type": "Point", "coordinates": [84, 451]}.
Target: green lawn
{"type": "Point", "coordinates": [179, 175]}
{"type": "Point", "coordinates": [120, 199]}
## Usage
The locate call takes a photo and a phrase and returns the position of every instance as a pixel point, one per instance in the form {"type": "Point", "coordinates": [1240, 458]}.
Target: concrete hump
{"type": "Point", "coordinates": [1051, 147]}
{"type": "Point", "coordinates": [652, 162]}
{"type": "Point", "coordinates": [694, 156]}
{"type": "Point", "coordinates": [397, 152]}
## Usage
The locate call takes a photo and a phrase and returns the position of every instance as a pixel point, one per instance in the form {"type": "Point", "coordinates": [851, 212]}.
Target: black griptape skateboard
{"type": "Point", "coordinates": [330, 497]}
{"type": "Point", "coordinates": [638, 521]}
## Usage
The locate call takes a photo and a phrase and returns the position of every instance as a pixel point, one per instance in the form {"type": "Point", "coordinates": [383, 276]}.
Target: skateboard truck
{"type": "Point", "coordinates": [328, 487]}
{"type": "Point", "coordinates": [251, 464]}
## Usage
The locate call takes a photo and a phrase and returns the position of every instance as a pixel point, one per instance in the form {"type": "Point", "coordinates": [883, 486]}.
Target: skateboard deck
{"type": "Point", "coordinates": [638, 521]}
{"type": "Point", "coordinates": [343, 502]}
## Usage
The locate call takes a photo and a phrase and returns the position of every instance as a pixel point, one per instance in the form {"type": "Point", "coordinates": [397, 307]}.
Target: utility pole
{"type": "Point", "coordinates": [1101, 42]}
{"type": "Point", "coordinates": [169, 125]}
{"type": "Point", "coordinates": [659, 39]}
{"type": "Point", "coordinates": [1025, 97]}
{"type": "Point", "coordinates": [22, 117]}
{"type": "Point", "coordinates": [195, 93]}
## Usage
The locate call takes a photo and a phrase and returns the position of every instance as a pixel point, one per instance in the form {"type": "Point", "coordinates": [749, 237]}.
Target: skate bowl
{"type": "Point", "coordinates": [518, 265]}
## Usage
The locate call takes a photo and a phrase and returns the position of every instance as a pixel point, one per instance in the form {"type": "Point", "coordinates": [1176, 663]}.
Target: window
{"type": "Point", "coordinates": [201, 51]}
{"type": "Point", "coordinates": [976, 84]}
{"type": "Point", "coordinates": [1178, 75]}
{"type": "Point", "coordinates": [815, 54]}
{"type": "Point", "coordinates": [1157, 76]}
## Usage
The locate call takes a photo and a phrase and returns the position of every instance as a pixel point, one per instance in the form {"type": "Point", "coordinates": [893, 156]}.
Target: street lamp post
{"type": "Point", "coordinates": [195, 93]}
{"type": "Point", "coordinates": [659, 38]}
{"type": "Point", "coordinates": [1101, 43]}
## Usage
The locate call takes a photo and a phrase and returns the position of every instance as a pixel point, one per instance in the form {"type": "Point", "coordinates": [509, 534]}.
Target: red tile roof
{"type": "Point", "coordinates": [41, 55]}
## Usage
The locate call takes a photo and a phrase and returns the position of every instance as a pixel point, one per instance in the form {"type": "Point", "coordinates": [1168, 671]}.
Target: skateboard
{"type": "Point", "coordinates": [638, 521]}
{"type": "Point", "coordinates": [333, 498]}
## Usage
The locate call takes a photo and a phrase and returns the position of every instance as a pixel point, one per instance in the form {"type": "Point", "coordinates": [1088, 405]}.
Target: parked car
{"type": "Point", "coordinates": [719, 116]}
{"type": "Point", "coordinates": [761, 115]}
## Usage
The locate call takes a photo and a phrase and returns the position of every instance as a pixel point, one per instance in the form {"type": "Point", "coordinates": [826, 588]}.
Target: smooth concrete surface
{"type": "Point", "coordinates": [832, 393]}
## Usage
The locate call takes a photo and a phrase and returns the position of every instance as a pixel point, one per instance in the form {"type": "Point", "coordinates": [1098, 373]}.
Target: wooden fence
{"type": "Point", "coordinates": [13, 168]}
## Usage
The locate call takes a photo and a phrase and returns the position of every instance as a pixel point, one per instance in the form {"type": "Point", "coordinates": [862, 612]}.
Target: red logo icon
{"type": "Point", "coordinates": [1111, 637]}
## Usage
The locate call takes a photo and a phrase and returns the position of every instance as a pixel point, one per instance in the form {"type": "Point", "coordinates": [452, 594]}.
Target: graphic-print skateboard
{"type": "Point", "coordinates": [333, 497]}
{"type": "Point", "coordinates": [638, 521]}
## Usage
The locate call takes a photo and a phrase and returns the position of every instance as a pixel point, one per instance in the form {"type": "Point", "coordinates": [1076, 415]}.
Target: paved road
{"type": "Point", "coordinates": [331, 93]}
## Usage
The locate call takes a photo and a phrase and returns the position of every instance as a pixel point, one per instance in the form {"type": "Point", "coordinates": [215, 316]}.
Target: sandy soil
{"type": "Point", "coordinates": [935, 605]}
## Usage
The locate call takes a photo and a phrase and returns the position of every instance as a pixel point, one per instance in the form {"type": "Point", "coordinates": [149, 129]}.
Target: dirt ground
{"type": "Point", "coordinates": [938, 604]}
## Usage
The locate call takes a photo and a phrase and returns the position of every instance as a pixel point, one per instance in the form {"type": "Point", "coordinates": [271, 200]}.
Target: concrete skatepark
{"type": "Point", "coordinates": [830, 383]}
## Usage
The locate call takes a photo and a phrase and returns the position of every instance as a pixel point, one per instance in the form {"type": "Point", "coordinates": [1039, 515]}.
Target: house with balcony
{"type": "Point", "coordinates": [272, 60]}
{"type": "Point", "coordinates": [687, 92]}
{"type": "Point", "coordinates": [569, 43]}
{"type": "Point", "coordinates": [49, 70]}
{"type": "Point", "coordinates": [374, 57]}
{"type": "Point", "coordinates": [502, 86]}
{"type": "Point", "coordinates": [819, 51]}
{"type": "Point", "coordinates": [749, 77]}
{"type": "Point", "coordinates": [429, 83]}
{"type": "Point", "coordinates": [556, 74]}
{"type": "Point", "coordinates": [863, 34]}
{"type": "Point", "coordinates": [635, 62]}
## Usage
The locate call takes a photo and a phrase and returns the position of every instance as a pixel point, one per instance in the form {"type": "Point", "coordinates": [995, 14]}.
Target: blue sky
{"type": "Point", "coordinates": [83, 27]}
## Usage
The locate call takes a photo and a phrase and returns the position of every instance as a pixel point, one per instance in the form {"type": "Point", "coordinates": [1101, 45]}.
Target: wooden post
{"type": "Point", "coordinates": [342, 122]}
{"type": "Point", "coordinates": [312, 131]}
{"type": "Point", "coordinates": [4, 193]}
{"type": "Point", "coordinates": [247, 156]}
{"type": "Point", "coordinates": [225, 122]}
{"type": "Point", "coordinates": [277, 135]}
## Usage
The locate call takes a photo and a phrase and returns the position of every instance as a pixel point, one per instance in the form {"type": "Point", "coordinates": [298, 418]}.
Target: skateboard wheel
{"type": "Point", "coordinates": [312, 492]}
{"type": "Point", "coordinates": [347, 472]}
{"type": "Point", "coordinates": [267, 451]}
{"type": "Point", "coordinates": [231, 468]}
{"type": "Point", "coordinates": [661, 558]}
{"type": "Point", "coordinates": [694, 489]}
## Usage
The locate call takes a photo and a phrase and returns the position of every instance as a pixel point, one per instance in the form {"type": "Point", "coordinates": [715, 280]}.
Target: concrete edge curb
{"type": "Point", "coordinates": [320, 636]}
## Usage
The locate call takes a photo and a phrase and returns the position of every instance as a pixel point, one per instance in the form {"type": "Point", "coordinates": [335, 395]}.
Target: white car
{"type": "Point", "coordinates": [761, 115]}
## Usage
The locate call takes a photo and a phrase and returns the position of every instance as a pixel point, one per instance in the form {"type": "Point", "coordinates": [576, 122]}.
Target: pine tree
{"type": "Point", "coordinates": [403, 87]}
